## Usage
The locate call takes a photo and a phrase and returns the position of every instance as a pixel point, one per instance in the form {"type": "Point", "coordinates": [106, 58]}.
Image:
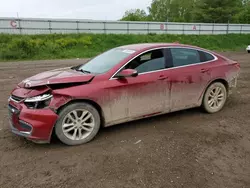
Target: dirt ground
{"type": "Point", "coordinates": [184, 149]}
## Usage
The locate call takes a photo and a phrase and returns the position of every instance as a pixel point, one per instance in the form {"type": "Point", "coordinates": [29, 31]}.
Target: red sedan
{"type": "Point", "coordinates": [123, 84]}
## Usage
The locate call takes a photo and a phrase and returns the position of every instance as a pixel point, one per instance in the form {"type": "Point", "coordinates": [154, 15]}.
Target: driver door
{"type": "Point", "coordinates": [145, 95]}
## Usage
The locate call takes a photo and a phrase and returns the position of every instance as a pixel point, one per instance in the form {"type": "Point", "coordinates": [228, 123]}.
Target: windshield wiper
{"type": "Point", "coordinates": [76, 68]}
{"type": "Point", "coordinates": [83, 71]}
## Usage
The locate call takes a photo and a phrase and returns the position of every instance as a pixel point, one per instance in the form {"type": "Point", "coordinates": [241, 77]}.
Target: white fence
{"type": "Point", "coordinates": [48, 26]}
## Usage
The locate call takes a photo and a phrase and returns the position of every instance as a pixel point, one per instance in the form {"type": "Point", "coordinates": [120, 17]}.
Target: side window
{"type": "Point", "coordinates": [209, 57]}
{"type": "Point", "coordinates": [184, 56]}
{"type": "Point", "coordinates": [206, 56]}
{"type": "Point", "coordinates": [149, 61]}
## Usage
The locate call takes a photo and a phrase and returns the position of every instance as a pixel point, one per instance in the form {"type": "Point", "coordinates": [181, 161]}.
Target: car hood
{"type": "Point", "coordinates": [57, 76]}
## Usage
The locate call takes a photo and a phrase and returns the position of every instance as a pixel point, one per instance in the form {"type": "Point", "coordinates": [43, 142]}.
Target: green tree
{"type": "Point", "coordinates": [172, 10]}
{"type": "Point", "coordinates": [244, 15]}
{"type": "Point", "coordinates": [218, 11]}
{"type": "Point", "coordinates": [135, 15]}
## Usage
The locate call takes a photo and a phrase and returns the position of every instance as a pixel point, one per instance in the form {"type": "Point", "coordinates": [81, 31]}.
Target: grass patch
{"type": "Point", "coordinates": [59, 46]}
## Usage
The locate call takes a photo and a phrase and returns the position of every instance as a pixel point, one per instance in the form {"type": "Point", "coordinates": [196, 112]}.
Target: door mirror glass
{"type": "Point", "coordinates": [127, 73]}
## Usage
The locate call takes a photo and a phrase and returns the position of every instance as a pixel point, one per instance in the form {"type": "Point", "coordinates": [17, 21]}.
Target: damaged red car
{"type": "Point", "coordinates": [120, 85]}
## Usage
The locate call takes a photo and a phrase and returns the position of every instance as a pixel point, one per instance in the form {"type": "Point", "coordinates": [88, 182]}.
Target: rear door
{"type": "Point", "coordinates": [189, 77]}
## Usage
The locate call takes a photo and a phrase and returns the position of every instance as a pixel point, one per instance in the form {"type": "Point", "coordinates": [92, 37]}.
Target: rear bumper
{"type": "Point", "coordinates": [33, 124]}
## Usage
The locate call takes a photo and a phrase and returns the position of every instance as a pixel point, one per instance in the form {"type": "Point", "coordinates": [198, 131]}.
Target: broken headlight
{"type": "Point", "coordinates": [38, 102]}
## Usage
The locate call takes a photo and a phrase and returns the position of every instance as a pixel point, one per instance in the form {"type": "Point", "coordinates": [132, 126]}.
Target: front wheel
{"type": "Point", "coordinates": [215, 97]}
{"type": "Point", "coordinates": [248, 51]}
{"type": "Point", "coordinates": [78, 124]}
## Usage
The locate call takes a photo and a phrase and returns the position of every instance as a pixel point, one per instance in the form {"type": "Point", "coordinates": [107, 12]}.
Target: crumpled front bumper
{"type": "Point", "coordinates": [33, 124]}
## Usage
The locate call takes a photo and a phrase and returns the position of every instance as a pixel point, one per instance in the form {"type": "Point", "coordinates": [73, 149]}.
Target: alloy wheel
{"type": "Point", "coordinates": [78, 124]}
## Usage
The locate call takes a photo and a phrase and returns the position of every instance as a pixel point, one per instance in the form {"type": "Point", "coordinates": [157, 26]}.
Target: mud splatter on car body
{"type": "Point", "coordinates": [117, 99]}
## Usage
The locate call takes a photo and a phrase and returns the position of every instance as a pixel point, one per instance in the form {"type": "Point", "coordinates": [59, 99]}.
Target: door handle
{"type": "Point", "coordinates": [204, 70]}
{"type": "Point", "coordinates": [162, 77]}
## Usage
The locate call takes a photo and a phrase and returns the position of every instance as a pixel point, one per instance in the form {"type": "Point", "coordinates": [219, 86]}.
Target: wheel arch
{"type": "Point", "coordinates": [91, 102]}
{"type": "Point", "coordinates": [221, 80]}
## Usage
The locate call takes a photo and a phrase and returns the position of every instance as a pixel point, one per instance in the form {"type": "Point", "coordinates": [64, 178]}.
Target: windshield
{"type": "Point", "coordinates": [104, 62]}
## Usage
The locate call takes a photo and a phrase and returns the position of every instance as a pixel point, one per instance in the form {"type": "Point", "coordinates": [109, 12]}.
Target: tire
{"type": "Point", "coordinates": [71, 129]}
{"type": "Point", "coordinates": [248, 51]}
{"type": "Point", "coordinates": [209, 103]}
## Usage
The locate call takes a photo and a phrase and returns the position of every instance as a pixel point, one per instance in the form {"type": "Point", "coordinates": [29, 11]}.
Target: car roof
{"type": "Point", "coordinates": [145, 46]}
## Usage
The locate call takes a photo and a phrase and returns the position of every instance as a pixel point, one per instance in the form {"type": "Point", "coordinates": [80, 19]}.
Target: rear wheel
{"type": "Point", "coordinates": [215, 97]}
{"type": "Point", "coordinates": [248, 51]}
{"type": "Point", "coordinates": [78, 124]}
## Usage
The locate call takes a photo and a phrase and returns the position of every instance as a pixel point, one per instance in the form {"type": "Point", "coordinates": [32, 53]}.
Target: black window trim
{"type": "Point", "coordinates": [164, 48]}
{"type": "Point", "coordinates": [202, 56]}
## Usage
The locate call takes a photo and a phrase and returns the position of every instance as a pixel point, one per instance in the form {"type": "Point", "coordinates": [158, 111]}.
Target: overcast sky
{"type": "Point", "coordinates": [75, 9]}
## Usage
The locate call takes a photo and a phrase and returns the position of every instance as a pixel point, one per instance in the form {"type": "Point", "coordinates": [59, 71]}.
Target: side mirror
{"type": "Point", "coordinates": [127, 73]}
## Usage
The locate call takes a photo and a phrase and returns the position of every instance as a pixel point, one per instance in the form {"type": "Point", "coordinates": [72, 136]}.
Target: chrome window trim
{"type": "Point", "coordinates": [215, 59]}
